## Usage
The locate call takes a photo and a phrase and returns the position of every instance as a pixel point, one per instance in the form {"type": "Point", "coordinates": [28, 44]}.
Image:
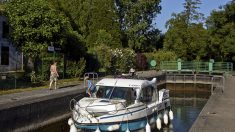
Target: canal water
{"type": "Point", "coordinates": [187, 101]}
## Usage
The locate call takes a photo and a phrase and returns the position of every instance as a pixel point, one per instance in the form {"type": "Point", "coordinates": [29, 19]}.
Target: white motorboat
{"type": "Point", "coordinates": [120, 105]}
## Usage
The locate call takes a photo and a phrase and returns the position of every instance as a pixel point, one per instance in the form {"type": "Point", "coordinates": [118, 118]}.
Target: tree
{"type": "Point", "coordinates": [103, 18]}
{"type": "Point", "coordinates": [89, 17]}
{"type": "Point", "coordinates": [104, 38]}
{"type": "Point", "coordinates": [186, 35]}
{"type": "Point", "coordinates": [35, 25]}
{"type": "Point", "coordinates": [78, 13]}
{"type": "Point", "coordinates": [128, 22]}
{"type": "Point", "coordinates": [190, 13]}
{"type": "Point", "coordinates": [221, 25]}
{"type": "Point", "coordinates": [136, 17]}
{"type": "Point", "coordinates": [74, 41]}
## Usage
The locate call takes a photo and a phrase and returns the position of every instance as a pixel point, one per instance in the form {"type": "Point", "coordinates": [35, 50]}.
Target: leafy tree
{"type": "Point", "coordinates": [128, 22]}
{"type": "Point", "coordinates": [104, 38]}
{"type": "Point", "coordinates": [74, 45]}
{"type": "Point", "coordinates": [78, 12]}
{"type": "Point", "coordinates": [154, 41]}
{"type": "Point", "coordinates": [104, 56]}
{"type": "Point", "coordinates": [190, 13]}
{"type": "Point", "coordinates": [35, 25]}
{"type": "Point", "coordinates": [92, 19]}
{"type": "Point", "coordinates": [136, 18]}
{"type": "Point", "coordinates": [103, 17]}
{"type": "Point", "coordinates": [221, 25]}
{"type": "Point", "coordinates": [186, 35]}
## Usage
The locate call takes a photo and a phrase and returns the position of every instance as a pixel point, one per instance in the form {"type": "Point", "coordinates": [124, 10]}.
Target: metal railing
{"type": "Point", "coordinates": [169, 65]}
{"type": "Point", "coordinates": [218, 82]}
{"type": "Point", "coordinates": [215, 67]}
{"type": "Point", "coordinates": [223, 67]}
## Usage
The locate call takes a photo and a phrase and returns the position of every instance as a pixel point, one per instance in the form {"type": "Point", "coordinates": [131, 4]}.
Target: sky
{"type": "Point", "coordinates": [176, 6]}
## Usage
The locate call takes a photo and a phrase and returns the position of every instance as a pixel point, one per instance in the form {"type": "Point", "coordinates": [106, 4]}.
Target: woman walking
{"type": "Point", "coordinates": [54, 74]}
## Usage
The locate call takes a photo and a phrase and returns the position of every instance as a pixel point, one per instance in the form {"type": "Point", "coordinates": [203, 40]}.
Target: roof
{"type": "Point", "coordinates": [124, 82]}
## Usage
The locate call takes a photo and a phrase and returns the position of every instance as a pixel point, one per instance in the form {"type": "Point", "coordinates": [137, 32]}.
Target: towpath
{"type": "Point", "coordinates": [15, 99]}
{"type": "Point", "coordinates": [218, 113]}
{"type": "Point", "coordinates": [29, 110]}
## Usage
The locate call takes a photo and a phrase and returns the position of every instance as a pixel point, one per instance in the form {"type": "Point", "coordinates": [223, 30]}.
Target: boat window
{"type": "Point", "coordinates": [104, 91]}
{"type": "Point", "coordinates": [116, 93]}
{"type": "Point", "coordinates": [119, 93]}
{"type": "Point", "coordinates": [146, 95]}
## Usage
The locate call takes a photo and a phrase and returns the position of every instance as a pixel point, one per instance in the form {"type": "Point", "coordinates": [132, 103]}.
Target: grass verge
{"type": "Point", "coordinates": [62, 83]}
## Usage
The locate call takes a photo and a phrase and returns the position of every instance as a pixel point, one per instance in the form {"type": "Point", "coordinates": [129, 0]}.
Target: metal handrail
{"type": "Point", "coordinates": [221, 85]}
{"type": "Point", "coordinates": [217, 67]}
{"type": "Point", "coordinates": [93, 75]}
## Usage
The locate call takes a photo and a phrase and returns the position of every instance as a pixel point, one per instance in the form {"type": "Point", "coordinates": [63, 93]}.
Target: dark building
{"type": "Point", "coordinates": [10, 58]}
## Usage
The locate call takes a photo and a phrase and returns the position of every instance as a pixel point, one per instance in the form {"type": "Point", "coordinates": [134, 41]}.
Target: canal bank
{"type": "Point", "coordinates": [30, 110]}
{"type": "Point", "coordinates": [218, 113]}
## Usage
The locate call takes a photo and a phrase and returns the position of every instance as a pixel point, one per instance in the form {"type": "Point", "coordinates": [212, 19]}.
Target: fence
{"type": "Point", "coordinates": [209, 67]}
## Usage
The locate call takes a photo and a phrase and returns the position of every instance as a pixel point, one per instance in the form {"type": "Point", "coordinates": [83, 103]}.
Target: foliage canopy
{"type": "Point", "coordinates": [36, 24]}
{"type": "Point", "coordinates": [221, 27]}
{"type": "Point", "coordinates": [186, 35]}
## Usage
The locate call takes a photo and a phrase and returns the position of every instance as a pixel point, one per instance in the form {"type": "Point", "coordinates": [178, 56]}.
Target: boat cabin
{"type": "Point", "coordinates": [131, 90]}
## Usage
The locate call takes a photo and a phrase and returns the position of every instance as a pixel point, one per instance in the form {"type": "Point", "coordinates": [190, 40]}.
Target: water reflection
{"type": "Point", "coordinates": [60, 126]}
{"type": "Point", "coordinates": [187, 102]}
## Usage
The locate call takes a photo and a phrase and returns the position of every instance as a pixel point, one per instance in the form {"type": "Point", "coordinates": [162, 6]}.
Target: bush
{"type": "Point", "coordinates": [42, 66]}
{"type": "Point", "coordinates": [76, 69]}
{"type": "Point", "coordinates": [104, 57]}
{"type": "Point", "coordinates": [115, 60]}
{"type": "Point", "coordinates": [122, 59]}
{"type": "Point", "coordinates": [160, 56]}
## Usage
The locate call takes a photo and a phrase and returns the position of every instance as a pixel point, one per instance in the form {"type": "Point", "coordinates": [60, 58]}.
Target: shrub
{"type": "Point", "coordinates": [115, 60]}
{"type": "Point", "coordinates": [104, 57]}
{"type": "Point", "coordinates": [122, 59]}
{"type": "Point", "coordinates": [160, 56]}
{"type": "Point", "coordinates": [76, 69]}
{"type": "Point", "coordinates": [42, 72]}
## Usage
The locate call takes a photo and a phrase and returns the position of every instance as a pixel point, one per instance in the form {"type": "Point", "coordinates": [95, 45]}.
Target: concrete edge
{"type": "Point", "coordinates": [42, 124]}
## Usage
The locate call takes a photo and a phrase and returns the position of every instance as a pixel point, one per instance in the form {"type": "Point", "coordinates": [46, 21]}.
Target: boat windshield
{"type": "Point", "coordinates": [109, 92]}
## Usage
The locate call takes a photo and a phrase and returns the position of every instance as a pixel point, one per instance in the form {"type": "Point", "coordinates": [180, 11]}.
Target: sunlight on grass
{"type": "Point", "coordinates": [20, 90]}
{"type": "Point", "coordinates": [61, 83]}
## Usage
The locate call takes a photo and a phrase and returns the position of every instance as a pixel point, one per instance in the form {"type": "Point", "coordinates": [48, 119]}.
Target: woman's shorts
{"type": "Point", "coordinates": [53, 78]}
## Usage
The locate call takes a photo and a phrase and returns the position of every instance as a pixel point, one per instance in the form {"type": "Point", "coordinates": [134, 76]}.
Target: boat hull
{"type": "Point", "coordinates": [133, 125]}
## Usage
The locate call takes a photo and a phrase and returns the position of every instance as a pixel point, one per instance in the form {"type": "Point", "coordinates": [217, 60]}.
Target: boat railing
{"type": "Point", "coordinates": [73, 102]}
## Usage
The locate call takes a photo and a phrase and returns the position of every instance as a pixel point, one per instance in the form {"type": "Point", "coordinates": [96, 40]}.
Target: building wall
{"type": "Point", "coordinates": [15, 57]}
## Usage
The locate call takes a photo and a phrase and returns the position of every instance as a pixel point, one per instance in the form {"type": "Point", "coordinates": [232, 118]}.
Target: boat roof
{"type": "Point", "coordinates": [118, 82]}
